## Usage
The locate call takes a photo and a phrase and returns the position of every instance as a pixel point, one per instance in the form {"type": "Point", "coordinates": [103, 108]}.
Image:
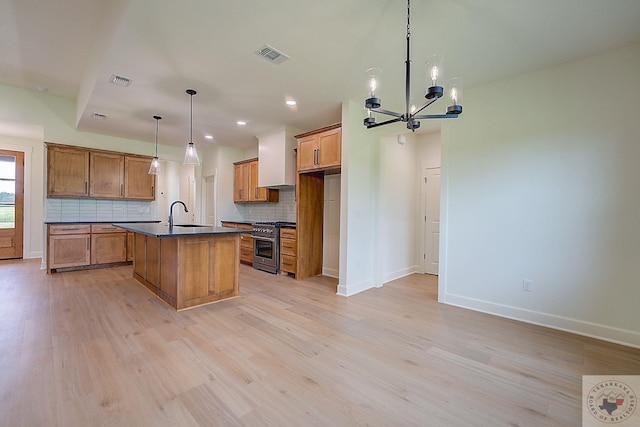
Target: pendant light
{"type": "Point", "coordinates": [155, 163]}
{"type": "Point", "coordinates": [191, 155]}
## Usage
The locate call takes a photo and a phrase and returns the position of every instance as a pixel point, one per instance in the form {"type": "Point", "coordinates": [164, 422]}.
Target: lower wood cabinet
{"type": "Point", "coordinates": [80, 245]}
{"type": "Point", "coordinates": [69, 246]}
{"type": "Point", "coordinates": [108, 244]}
{"type": "Point", "coordinates": [288, 250]}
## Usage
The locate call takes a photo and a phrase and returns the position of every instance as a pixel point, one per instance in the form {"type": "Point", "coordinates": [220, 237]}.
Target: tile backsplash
{"type": "Point", "coordinates": [284, 210]}
{"type": "Point", "coordinates": [69, 210]}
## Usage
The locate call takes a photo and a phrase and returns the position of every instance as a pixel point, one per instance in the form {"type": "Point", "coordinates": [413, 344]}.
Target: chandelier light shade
{"type": "Point", "coordinates": [154, 169]}
{"type": "Point", "coordinates": [433, 81]}
{"type": "Point", "coordinates": [191, 155]}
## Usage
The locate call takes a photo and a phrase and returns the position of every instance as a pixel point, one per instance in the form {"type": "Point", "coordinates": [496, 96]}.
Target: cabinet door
{"type": "Point", "coordinates": [109, 247]}
{"type": "Point", "coordinates": [307, 153]}
{"type": "Point", "coordinates": [329, 149]}
{"type": "Point", "coordinates": [67, 172]}
{"type": "Point", "coordinates": [138, 184]}
{"type": "Point", "coordinates": [106, 175]}
{"type": "Point", "coordinates": [241, 182]}
{"type": "Point", "coordinates": [256, 194]}
{"type": "Point", "coordinates": [69, 250]}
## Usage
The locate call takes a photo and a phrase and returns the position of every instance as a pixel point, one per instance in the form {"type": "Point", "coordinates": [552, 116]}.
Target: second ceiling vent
{"type": "Point", "coordinates": [272, 54]}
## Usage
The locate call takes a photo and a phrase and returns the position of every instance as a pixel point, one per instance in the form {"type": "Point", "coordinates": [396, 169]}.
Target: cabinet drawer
{"type": "Point", "coordinates": [288, 263]}
{"type": "Point", "coordinates": [70, 229]}
{"type": "Point", "coordinates": [246, 255]}
{"type": "Point", "coordinates": [246, 241]}
{"type": "Point", "coordinates": [288, 247]}
{"type": "Point", "coordinates": [288, 233]}
{"type": "Point", "coordinates": [105, 228]}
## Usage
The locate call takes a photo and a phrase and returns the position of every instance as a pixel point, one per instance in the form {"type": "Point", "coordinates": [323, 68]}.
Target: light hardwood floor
{"type": "Point", "coordinates": [94, 348]}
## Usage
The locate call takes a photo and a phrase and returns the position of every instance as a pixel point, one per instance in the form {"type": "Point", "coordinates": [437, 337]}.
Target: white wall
{"type": "Point", "coordinates": [542, 184]}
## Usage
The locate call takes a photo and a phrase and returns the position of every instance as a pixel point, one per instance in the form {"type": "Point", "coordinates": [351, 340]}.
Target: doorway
{"type": "Point", "coordinates": [11, 204]}
{"type": "Point", "coordinates": [209, 200]}
{"type": "Point", "coordinates": [431, 211]}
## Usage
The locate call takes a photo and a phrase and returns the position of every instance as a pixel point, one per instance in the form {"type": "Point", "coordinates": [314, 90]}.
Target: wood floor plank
{"type": "Point", "coordinates": [94, 348]}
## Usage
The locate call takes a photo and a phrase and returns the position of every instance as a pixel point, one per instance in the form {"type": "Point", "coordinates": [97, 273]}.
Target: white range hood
{"type": "Point", "coordinates": [277, 157]}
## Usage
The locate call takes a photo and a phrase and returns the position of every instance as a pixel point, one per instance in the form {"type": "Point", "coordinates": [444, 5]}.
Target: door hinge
{"type": "Point", "coordinates": [424, 256]}
{"type": "Point", "coordinates": [425, 179]}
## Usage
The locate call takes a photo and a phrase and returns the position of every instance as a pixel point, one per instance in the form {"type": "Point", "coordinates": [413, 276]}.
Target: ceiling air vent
{"type": "Point", "coordinates": [99, 116]}
{"type": "Point", "coordinates": [271, 54]}
{"type": "Point", "coordinates": [120, 80]}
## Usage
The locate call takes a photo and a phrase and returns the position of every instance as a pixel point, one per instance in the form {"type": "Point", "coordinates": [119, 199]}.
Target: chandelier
{"type": "Point", "coordinates": [411, 115]}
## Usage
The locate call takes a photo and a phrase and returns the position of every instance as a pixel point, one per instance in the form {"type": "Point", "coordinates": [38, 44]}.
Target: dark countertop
{"type": "Point", "coordinates": [162, 230]}
{"type": "Point", "coordinates": [101, 222]}
{"type": "Point", "coordinates": [239, 222]}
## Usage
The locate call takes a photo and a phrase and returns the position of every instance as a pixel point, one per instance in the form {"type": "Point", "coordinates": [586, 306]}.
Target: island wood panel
{"type": "Point", "coordinates": [310, 200]}
{"type": "Point", "coordinates": [139, 257]}
{"type": "Point", "coordinates": [153, 261]}
{"type": "Point", "coordinates": [168, 290]}
{"type": "Point", "coordinates": [146, 262]}
{"type": "Point", "coordinates": [210, 267]}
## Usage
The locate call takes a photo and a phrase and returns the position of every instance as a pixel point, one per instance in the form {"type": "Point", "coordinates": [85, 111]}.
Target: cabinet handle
{"type": "Point", "coordinates": [153, 191]}
{"type": "Point", "coordinates": [239, 193]}
{"type": "Point", "coordinates": [121, 189]}
{"type": "Point", "coordinates": [88, 243]}
{"type": "Point", "coordinates": [69, 229]}
{"type": "Point", "coordinates": [85, 186]}
{"type": "Point", "coordinates": [315, 156]}
{"type": "Point", "coordinates": [255, 192]}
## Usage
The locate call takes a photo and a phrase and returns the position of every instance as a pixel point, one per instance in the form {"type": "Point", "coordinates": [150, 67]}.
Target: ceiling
{"type": "Point", "coordinates": [72, 48]}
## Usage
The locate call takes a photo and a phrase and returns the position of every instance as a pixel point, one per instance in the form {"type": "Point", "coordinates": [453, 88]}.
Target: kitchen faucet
{"type": "Point", "coordinates": [171, 211]}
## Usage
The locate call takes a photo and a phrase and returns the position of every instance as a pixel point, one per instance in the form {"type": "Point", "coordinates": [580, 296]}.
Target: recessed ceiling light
{"type": "Point", "coordinates": [208, 136]}
{"type": "Point", "coordinates": [291, 102]}
{"type": "Point", "coordinates": [41, 88]}
{"type": "Point", "coordinates": [241, 122]}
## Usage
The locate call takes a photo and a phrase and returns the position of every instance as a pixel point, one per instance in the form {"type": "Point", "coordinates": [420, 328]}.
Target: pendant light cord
{"type": "Point", "coordinates": [191, 125]}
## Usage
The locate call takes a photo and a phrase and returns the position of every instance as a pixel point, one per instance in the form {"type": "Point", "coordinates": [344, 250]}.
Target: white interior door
{"type": "Point", "coordinates": [209, 200]}
{"type": "Point", "coordinates": [432, 220]}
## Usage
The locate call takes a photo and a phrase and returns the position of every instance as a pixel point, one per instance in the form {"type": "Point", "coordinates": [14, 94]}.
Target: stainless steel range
{"type": "Point", "coordinates": [266, 246]}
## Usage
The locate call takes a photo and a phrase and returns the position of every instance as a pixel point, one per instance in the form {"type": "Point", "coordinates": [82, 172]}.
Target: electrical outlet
{"type": "Point", "coordinates": [527, 285]}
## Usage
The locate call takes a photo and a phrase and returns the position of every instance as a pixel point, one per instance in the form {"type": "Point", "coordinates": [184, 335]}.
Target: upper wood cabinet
{"type": "Point", "coordinates": [245, 184]}
{"type": "Point", "coordinates": [78, 172]}
{"type": "Point", "coordinates": [106, 175]}
{"type": "Point", "coordinates": [320, 150]}
{"type": "Point", "coordinates": [240, 182]}
{"type": "Point", "coordinates": [67, 172]}
{"type": "Point", "coordinates": [138, 184]}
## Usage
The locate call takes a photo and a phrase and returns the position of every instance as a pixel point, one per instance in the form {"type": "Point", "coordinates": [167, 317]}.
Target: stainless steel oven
{"type": "Point", "coordinates": [266, 243]}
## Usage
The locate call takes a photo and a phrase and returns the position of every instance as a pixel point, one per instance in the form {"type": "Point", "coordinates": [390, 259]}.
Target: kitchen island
{"type": "Point", "coordinates": [187, 265]}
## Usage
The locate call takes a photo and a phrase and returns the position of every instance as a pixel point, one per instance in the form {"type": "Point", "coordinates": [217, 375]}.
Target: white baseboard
{"type": "Point", "coordinates": [592, 330]}
{"type": "Point", "coordinates": [331, 272]}
{"type": "Point", "coordinates": [348, 290]}
{"type": "Point", "coordinates": [400, 273]}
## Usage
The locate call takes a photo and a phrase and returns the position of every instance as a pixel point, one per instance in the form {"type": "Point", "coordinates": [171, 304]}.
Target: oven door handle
{"type": "Point", "coordinates": [266, 239]}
